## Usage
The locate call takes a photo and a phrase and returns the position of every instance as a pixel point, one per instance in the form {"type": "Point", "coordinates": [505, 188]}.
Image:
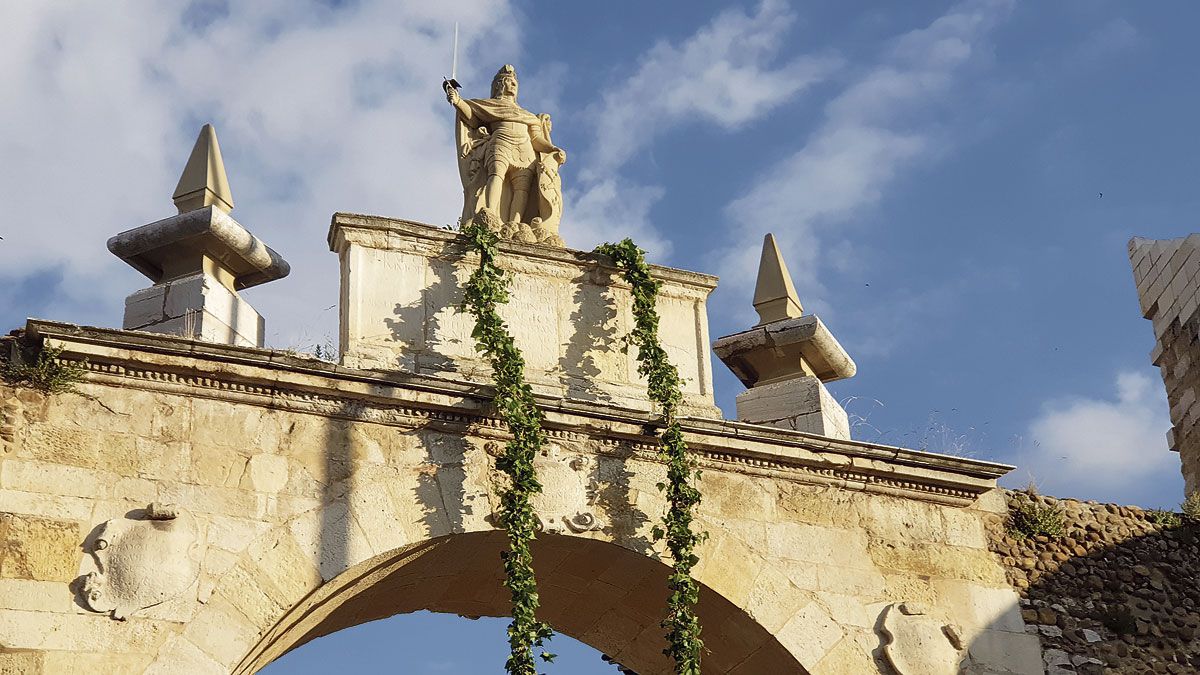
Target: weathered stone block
{"type": "Point", "coordinates": [801, 403]}
{"type": "Point", "coordinates": [196, 306]}
{"type": "Point", "coordinates": [401, 293]}
{"type": "Point", "coordinates": [45, 549]}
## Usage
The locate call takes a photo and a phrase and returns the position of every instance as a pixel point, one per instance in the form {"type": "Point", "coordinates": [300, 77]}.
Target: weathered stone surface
{"type": "Point", "coordinates": [141, 562]}
{"type": "Point", "coordinates": [43, 549]}
{"type": "Point", "coordinates": [918, 643]}
{"type": "Point", "coordinates": [1113, 593]}
{"type": "Point", "coordinates": [567, 312]}
{"type": "Point", "coordinates": [800, 404]}
{"type": "Point", "coordinates": [325, 496]}
{"type": "Point", "coordinates": [1168, 288]}
{"type": "Point", "coordinates": [508, 164]}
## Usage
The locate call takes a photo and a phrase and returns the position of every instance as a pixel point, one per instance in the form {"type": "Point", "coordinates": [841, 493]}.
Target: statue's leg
{"type": "Point", "coordinates": [521, 180]}
{"type": "Point", "coordinates": [494, 188]}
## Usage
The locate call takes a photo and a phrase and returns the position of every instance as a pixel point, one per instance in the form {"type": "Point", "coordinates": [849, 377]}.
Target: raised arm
{"type": "Point", "coordinates": [455, 100]}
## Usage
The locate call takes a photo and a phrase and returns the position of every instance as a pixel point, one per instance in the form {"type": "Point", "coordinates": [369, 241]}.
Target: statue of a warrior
{"type": "Point", "coordinates": [508, 164]}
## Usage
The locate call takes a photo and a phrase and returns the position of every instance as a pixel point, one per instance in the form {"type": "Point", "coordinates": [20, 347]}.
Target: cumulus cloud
{"type": "Point", "coordinates": [318, 108]}
{"type": "Point", "coordinates": [1110, 449]}
{"type": "Point", "coordinates": [881, 124]}
{"type": "Point", "coordinates": [726, 75]}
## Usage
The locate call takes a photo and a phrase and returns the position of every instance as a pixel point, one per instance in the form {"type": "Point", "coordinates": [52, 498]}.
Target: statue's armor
{"type": "Point", "coordinates": [510, 153]}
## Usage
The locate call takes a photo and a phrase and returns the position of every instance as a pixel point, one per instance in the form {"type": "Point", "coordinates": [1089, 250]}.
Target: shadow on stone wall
{"type": "Point", "coordinates": [594, 320]}
{"type": "Point", "coordinates": [1116, 592]}
{"type": "Point", "coordinates": [423, 314]}
{"type": "Point", "coordinates": [614, 496]}
{"type": "Point", "coordinates": [335, 523]}
{"type": "Point", "coordinates": [441, 490]}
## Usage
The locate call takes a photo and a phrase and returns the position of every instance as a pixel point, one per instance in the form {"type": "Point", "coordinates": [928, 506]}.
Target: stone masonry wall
{"type": "Point", "coordinates": [1167, 275]}
{"type": "Point", "coordinates": [1115, 593]}
{"type": "Point", "coordinates": [292, 479]}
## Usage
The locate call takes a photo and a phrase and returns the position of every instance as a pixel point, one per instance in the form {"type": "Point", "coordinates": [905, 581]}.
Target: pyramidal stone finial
{"type": "Point", "coordinates": [775, 297]}
{"type": "Point", "coordinates": [203, 182]}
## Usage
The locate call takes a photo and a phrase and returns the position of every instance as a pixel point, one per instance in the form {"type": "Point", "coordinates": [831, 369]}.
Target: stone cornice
{"type": "Point", "coordinates": [288, 381]}
{"type": "Point", "coordinates": [344, 222]}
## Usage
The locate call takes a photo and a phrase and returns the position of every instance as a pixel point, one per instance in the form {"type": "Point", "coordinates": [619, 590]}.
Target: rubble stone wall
{"type": "Point", "coordinates": [1117, 592]}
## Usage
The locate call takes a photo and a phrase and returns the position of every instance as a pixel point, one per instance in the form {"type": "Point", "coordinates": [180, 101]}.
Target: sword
{"type": "Point", "coordinates": [451, 82]}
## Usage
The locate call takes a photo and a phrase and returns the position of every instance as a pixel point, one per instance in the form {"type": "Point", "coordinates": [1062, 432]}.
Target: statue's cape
{"type": "Point", "coordinates": [487, 110]}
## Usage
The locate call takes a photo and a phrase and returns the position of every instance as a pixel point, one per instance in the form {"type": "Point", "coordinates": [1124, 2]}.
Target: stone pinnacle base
{"type": "Point", "coordinates": [197, 306]}
{"type": "Point", "coordinates": [801, 404]}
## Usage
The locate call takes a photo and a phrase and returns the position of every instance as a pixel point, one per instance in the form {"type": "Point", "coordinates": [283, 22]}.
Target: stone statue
{"type": "Point", "coordinates": [508, 164]}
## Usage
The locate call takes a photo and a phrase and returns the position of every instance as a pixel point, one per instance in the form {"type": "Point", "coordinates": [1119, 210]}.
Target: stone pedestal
{"type": "Point", "coordinates": [785, 360]}
{"type": "Point", "coordinates": [569, 312]}
{"type": "Point", "coordinates": [801, 404]}
{"type": "Point", "coordinates": [197, 306]}
{"type": "Point", "coordinates": [198, 261]}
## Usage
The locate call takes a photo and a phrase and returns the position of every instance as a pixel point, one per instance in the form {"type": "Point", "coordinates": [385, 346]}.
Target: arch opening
{"type": "Point", "coordinates": [599, 593]}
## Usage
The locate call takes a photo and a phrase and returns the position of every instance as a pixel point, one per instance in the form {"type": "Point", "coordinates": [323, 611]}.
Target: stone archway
{"type": "Point", "coordinates": [353, 473]}
{"type": "Point", "coordinates": [279, 596]}
{"type": "Point", "coordinates": [599, 593]}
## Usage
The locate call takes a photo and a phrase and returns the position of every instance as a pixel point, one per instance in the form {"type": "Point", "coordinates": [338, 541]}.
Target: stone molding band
{"type": "Point", "coordinates": [165, 363]}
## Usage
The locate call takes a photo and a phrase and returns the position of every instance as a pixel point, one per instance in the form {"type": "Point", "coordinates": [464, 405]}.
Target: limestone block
{"type": "Point", "coordinates": [847, 656]}
{"type": "Point", "coordinates": [266, 473]}
{"type": "Point", "coordinates": [96, 662]}
{"type": "Point", "coordinates": [977, 607]}
{"type": "Point", "coordinates": [331, 537]}
{"type": "Point", "coordinates": [801, 403]}
{"type": "Point", "coordinates": [730, 568]}
{"type": "Point", "coordinates": [50, 506]}
{"type": "Point", "coordinates": [1005, 652]}
{"type": "Point", "coordinates": [820, 545]}
{"type": "Point", "coordinates": [198, 306]}
{"type": "Point", "coordinates": [567, 311]}
{"type": "Point", "coordinates": [80, 632]}
{"type": "Point", "coordinates": [179, 655]}
{"type": "Point", "coordinates": [810, 634]}
{"type": "Point", "coordinates": [222, 631]}
{"type": "Point", "coordinates": [37, 596]}
{"type": "Point", "coordinates": [43, 549]}
{"type": "Point", "coordinates": [21, 662]}
{"type": "Point", "coordinates": [241, 589]}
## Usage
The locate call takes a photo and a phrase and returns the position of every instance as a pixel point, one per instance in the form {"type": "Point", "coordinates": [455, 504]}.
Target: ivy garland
{"type": "Point", "coordinates": [682, 624]}
{"type": "Point", "coordinates": [486, 289]}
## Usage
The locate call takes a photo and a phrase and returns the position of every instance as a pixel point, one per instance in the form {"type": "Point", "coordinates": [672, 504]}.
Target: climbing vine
{"type": "Point", "coordinates": [486, 289]}
{"type": "Point", "coordinates": [683, 626]}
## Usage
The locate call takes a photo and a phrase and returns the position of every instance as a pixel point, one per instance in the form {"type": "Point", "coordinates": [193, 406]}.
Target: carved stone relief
{"type": "Point", "coordinates": [141, 562]}
{"type": "Point", "coordinates": [567, 500]}
{"type": "Point", "coordinates": [920, 644]}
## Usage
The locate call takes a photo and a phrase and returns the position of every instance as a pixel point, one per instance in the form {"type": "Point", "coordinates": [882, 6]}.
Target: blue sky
{"type": "Point", "coordinates": [933, 170]}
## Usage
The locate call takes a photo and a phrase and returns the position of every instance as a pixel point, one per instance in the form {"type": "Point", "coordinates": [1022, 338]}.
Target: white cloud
{"type": "Point", "coordinates": [317, 108]}
{"type": "Point", "coordinates": [1105, 449]}
{"type": "Point", "coordinates": [880, 125]}
{"type": "Point", "coordinates": [725, 75]}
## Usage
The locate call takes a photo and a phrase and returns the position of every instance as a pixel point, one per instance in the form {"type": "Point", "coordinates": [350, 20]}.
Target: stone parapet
{"type": "Point", "coordinates": [569, 312]}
